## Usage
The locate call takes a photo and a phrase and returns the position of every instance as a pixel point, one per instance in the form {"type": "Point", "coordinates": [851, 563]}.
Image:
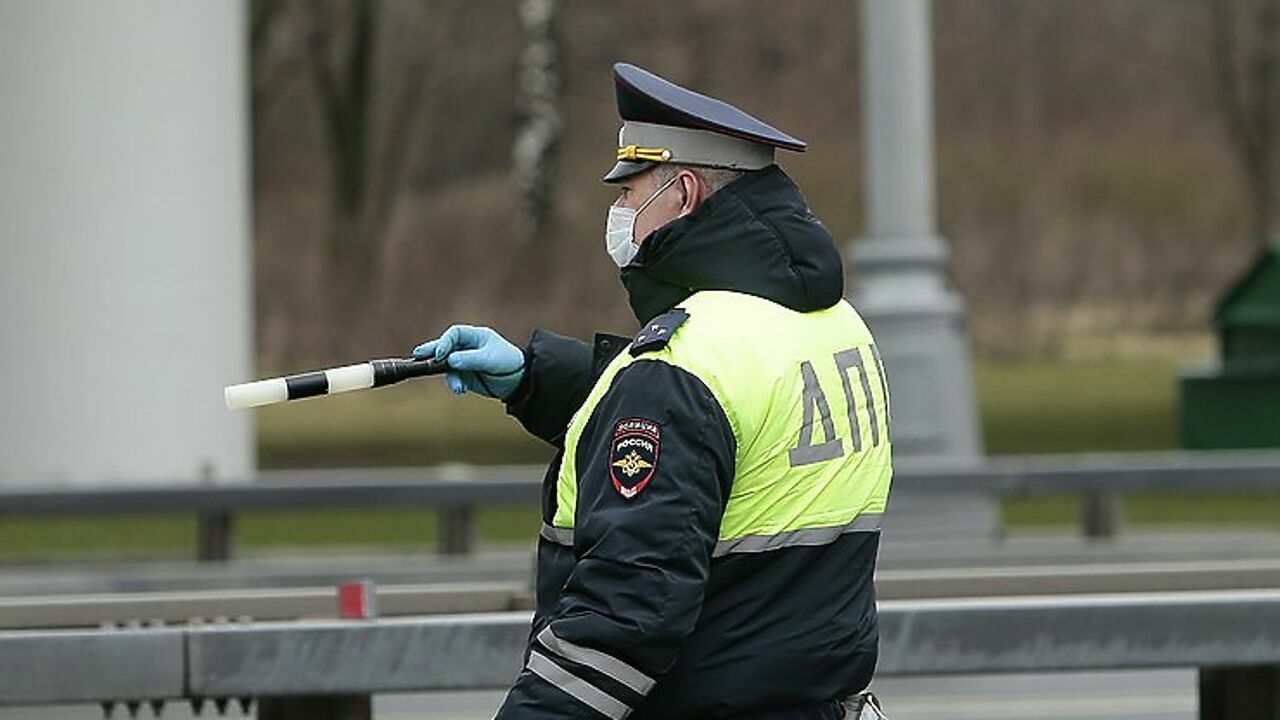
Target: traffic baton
{"type": "Point", "coordinates": [375, 373]}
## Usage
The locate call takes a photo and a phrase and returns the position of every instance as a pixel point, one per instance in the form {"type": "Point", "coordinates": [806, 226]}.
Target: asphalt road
{"type": "Point", "coordinates": [1138, 695]}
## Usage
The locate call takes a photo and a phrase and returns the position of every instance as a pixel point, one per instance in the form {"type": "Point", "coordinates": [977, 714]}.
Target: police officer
{"type": "Point", "coordinates": [711, 521]}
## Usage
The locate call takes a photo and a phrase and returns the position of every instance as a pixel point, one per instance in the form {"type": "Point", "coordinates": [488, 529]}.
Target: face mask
{"type": "Point", "coordinates": [621, 226]}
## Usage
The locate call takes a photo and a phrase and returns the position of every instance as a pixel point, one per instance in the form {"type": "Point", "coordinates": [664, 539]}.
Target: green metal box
{"type": "Point", "coordinates": [1237, 403]}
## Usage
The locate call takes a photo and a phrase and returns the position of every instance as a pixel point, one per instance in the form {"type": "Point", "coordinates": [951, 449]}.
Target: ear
{"type": "Point", "coordinates": [692, 191]}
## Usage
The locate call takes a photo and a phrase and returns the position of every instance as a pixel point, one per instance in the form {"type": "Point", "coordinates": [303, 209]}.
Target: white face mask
{"type": "Point", "coordinates": [620, 228]}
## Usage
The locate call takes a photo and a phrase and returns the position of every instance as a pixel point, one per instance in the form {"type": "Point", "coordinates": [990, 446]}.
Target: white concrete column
{"type": "Point", "coordinates": [124, 241]}
{"type": "Point", "coordinates": [900, 263]}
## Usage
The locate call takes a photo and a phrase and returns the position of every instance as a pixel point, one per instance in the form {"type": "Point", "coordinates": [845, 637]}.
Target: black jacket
{"type": "Point", "coordinates": [637, 598]}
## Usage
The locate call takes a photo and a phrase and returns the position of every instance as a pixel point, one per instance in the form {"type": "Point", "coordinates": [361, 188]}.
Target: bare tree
{"type": "Point", "coordinates": [1245, 61]}
{"type": "Point", "coordinates": [538, 137]}
{"type": "Point", "coordinates": [366, 148]}
{"type": "Point", "coordinates": [367, 61]}
{"type": "Point", "coordinates": [269, 71]}
{"type": "Point", "coordinates": [277, 66]}
{"type": "Point", "coordinates": [344, 87]}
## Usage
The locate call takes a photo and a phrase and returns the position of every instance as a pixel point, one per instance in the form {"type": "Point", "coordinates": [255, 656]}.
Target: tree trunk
{"type": "Point", "coordinates": [1246, 90]}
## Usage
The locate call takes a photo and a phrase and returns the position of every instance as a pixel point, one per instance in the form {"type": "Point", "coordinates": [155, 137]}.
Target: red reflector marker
{"type": "Point", "coordinates": [357, 600]}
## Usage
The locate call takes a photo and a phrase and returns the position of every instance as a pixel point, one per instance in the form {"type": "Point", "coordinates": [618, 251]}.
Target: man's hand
{"type": "Point", "coordinates": [480, 360]}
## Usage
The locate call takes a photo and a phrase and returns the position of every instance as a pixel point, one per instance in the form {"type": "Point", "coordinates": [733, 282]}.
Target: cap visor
{"type": "Point", "coordinates": [626, 168]}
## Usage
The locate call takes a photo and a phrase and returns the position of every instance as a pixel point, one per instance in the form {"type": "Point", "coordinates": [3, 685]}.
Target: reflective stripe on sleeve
{"type": "Point", "coordinates": [579, 689]}
{"type": "Point", "coordinates": [596, 660]}
{"type": "Point", "coordinates": [557, 535]}
{"type": "Point", "coordinates": [867, 522]}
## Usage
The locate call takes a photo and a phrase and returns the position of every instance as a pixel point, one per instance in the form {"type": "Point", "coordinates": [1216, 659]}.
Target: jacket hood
{"type": "Point", "coordinates": [755, 235]}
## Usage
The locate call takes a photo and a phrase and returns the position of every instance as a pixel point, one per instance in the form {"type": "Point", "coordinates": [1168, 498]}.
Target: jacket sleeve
{"type": "Point", "coordinates": [642, 543]}
{"type": "Point", "coordinates": [556, 380]}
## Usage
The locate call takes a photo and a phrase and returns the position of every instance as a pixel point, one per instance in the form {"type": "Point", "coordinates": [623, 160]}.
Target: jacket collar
{"type": "Point", "coordinates": [756, 235]}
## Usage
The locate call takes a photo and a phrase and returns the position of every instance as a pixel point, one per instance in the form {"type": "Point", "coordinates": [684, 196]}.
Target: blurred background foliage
{"type": "Point", "coordinates": [1094, 180]}
{"type": "Point", "coordinates": [1086, 176]}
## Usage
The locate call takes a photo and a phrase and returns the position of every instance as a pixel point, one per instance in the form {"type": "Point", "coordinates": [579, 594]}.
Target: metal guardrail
{"type": "Point", "coordinates": [164, 608]}
{"type": "Point", "coordinates": [1093, 578]}
{"type": "Point", "coordinates": [331, 669]}
{"type": "Point", "coordinates": [457, 490]}
{"type": "Point", "coordinates": [412, 599]}
{"type": "Point", "coordinates": [454, 490]}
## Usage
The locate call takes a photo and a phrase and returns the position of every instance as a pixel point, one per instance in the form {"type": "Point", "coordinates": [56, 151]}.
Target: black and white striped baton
{"type": "Point", "coordinates": [375, 373]}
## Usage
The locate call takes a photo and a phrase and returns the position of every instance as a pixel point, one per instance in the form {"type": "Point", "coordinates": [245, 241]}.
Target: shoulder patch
{"type": "Point", "coordinates": [633, 455]}
{"type": "Point", "coordinates": [657, 333]}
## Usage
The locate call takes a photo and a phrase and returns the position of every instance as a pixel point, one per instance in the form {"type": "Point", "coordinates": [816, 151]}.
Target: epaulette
{"type": "Point", "coordinates": [657, 333]}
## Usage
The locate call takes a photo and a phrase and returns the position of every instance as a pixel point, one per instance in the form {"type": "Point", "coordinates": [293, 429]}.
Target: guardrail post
{"type": "Point", "coordinates": [1244, 692]}
{"type": "Point", "coordinates": [214, 531]}
{"type": "Point", "coordinates": [331, 707]}
{"type": "Point", "coordinates": [1103, 514]}
{"type": "Point", "coordinates": [457, 529]}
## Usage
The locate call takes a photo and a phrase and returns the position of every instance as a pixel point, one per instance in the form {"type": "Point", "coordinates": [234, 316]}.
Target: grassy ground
{"type": "Point", "coordinates": [417, 423]}
{"type": "Point", "coordinates": [1100, 406]}
{"type": "Point", "coordinates": [1116, 405]}
{"type": "Point", "coordinates": [1026, 408]}
{"type": "Point", "coordinates": [1259, 510]}
{"type": "Point", "coordinates": [1096, 406]}
{"type": "Point", "coordinates": [39, 539]}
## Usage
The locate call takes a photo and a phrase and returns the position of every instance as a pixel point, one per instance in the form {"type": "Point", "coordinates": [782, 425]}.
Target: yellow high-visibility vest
{"type": "Point", "coordinates": [807, 399]}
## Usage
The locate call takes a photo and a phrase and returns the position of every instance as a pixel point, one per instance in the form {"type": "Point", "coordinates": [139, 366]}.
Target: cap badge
{"type": "Point", "coordinates": [632, 152]}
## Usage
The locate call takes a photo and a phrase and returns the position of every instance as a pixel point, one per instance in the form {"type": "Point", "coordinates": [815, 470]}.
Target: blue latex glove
{"type": "Point", "coordinates": [480, 359]}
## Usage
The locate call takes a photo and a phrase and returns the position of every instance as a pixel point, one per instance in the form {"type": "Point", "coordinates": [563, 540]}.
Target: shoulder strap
{"type": "Point", "coordinates": [657, 333]}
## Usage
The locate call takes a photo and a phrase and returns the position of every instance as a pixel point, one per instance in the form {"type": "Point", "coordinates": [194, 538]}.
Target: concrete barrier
{"type": "Point", "coordinates": [331, 669]}
{"type": "Point", "coordinates": [93, 610]}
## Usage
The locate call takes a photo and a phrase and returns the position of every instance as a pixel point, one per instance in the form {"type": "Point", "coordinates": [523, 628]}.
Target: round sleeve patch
{"type": "Point", "coordinates": [633, 455]}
